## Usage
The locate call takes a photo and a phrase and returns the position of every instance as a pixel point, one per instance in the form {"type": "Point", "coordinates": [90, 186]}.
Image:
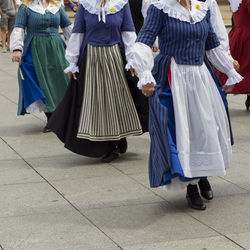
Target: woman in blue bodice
{"type": "Point", "coordinates": [189, 127]}
{"type": "Point", "coordinates": [38, 46]}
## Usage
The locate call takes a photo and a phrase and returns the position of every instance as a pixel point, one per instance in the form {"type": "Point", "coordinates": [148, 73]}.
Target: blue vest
{"type": "Point", "coordinates": [184, 41]}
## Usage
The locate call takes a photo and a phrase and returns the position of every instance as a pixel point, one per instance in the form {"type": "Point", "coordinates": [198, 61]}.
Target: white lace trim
{"type": "Point", "coordinates": [72, 68]}
{"type": "Point", "coordinates": [111, 7]}
{"type": "Point", "coordinates": [235, 4]}
{"type": "Point", "coordinates": [233, 77]}
{"type": "Point", "coordinates": [176, 10]}
{"type": "Point", "coordinates": [145, 78]}
{"type": "Point", "coordinates": [36, 6]}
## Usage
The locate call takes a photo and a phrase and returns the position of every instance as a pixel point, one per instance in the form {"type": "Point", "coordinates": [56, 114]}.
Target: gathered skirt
{"type": "Point", "coordinates": [106, 99]}
{"type": "Point", "coordinates": [198, 139]}
{"type": "Point", "coordinates": [42, 81]}
{"type": "Point", "coordinates": [108, 111]}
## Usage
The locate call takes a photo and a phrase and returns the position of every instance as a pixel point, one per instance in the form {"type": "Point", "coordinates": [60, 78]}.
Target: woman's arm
{"type": "Point", "coordinates": [75, 42]}
{"type": "Point", "coordinates": [220, 58]}
{"type": "Point", "coordinates": [143, 61]}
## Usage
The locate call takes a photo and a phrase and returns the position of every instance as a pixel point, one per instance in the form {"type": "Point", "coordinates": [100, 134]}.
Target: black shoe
{"type": "Point", "coordinates": [46, 129]}
{"type": "Point", "coordinates": [122, 146]}
{"type": "Point", "coordinates": [205, 189]}
{"type": "Point", "coordinates": [247, 102]}
{"type": "Point", "coordinates": [194, 198]}
{"type": "Point", "coordinates": [110, 156]}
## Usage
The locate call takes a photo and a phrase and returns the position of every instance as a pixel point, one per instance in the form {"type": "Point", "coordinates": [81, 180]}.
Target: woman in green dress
{"type": "Point", "coordinates": [38, 47]}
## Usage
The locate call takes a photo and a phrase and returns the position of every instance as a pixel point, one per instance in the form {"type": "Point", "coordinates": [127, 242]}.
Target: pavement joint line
{"type": "Point", "coordinates": [234, 184]}
{"type": "Point", "coordinates": [187, 213]}
{"type": "Point", "coordinates": [67, 200]}
{"type": "Point", "coordinates": [235, 242]}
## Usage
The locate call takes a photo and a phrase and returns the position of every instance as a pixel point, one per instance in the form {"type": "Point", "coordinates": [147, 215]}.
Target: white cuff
{"type": "Point", "coordinates": [233, 77]}
{"type": "Point", "coordinates": [145, 78]}
{"type": "Point", "coordinates": [72, 68]}
{"type": "Point", "coordinates": [129, 64]}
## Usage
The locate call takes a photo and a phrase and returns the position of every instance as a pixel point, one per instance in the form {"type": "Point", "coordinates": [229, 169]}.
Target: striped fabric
{"type": "Point", "coordinates": [40, 25]}
{"type": "Point", "coordinates": [184, 41]}
{"type": "Point", "coordinates": [108, 112]}
{"type": "Point", "coordinates": [160, 158]}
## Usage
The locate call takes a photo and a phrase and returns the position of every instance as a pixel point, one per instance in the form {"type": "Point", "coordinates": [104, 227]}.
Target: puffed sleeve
{"type": "Point", "coordinates": [143, 60]}
{"type": "Point", "coordinates": [22, 17]}
{"type": "Point", "coordinates": [212, 39]}
{"type": "Point", "coordinates": [17, 35]}
{"type": "Point", "coordinates": [222, 61]}
{"type": "Point", "coordinates": [127, 22]}
{"type": "Point", "coordinates": [219, 26]}
{"type": "Point", "coordinates": [75, 41]}
{"type": "Point", "coordinates": [64, 19]}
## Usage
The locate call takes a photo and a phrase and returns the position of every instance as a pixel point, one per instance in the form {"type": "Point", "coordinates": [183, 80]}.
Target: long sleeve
{"type": "Point", "coordinates": [75, 41]}
{"type": "Point", "coordinates": [17, 35]}
{"type": "Point", "coordinates": [219, 26]}
{"type": "Point", "coordinates": [128, 38]}
{"type": "Point", "coordinates": [73, 51]}
{"type": "Point", "coordinates": [222, 61]}
{"type": "Point", "coordinates": [67, 31]}
{"type": "Point", "coordinates": [143, 63]}
{"type": "Point", "coordinates": [17, 39]}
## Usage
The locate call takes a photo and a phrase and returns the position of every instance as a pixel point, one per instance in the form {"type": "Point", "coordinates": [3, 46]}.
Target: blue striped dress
{"type": "Point", "coordinates": [189, 126]}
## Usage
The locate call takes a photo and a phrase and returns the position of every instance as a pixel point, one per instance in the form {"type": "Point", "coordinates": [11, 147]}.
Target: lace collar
{"type": "Point", "coordinates": [174, 9]}
{"type": "Point", "coordinates": [111, 7]}
{"type": "Point", "coordinates": [235, 4]}
{"type": "Point", "coordinates": [37, 7]}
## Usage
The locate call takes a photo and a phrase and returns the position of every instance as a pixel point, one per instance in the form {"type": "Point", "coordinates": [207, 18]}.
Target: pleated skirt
{"type": "Point", "coordinates": [108, 112]}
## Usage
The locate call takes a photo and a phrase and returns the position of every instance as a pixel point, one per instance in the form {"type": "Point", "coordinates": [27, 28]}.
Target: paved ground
{"type": "Point", "coordinates": [52, 199]}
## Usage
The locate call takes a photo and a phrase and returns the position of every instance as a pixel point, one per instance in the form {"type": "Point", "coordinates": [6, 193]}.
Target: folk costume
{"type": "Point", "coordinates": [97, 112]}
{"type": "Point", "coordinates": [41, 77]}
{"type": "Point", "coordinates": [189, 128]}
{"type": "Point", "coordinates": [239, 43]}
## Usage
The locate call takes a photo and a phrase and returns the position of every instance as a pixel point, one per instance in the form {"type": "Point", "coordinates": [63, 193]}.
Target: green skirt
{"type": "Point", "coordinates": [48, 53]}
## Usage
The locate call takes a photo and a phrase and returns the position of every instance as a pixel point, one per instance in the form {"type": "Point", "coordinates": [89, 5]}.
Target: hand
{"type": "Point", "coordinates": [75, 7]}
{"type": "Point", "coordinates": [155, 49]}
{"type": "Point", "coordinates": [228, 89]}
{"type": "Point", "coordinates": [132, 71]}
{"type": "Point", "coordinates": [70, 74]}
{"type": "Point", "coordinates": [148, 89]}
{"type": "Point", "coordinates": [16, 56]}
{"type": "Point", "coordinates": [236, 65]}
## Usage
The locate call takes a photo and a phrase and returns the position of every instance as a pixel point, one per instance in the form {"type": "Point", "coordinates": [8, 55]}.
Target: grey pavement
{"type": "Point", "coordinates": [52, 199]}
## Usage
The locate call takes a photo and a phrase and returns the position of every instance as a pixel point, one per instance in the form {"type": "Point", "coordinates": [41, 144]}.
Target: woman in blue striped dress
{"type": "Point", "coordinates": [189, 127]}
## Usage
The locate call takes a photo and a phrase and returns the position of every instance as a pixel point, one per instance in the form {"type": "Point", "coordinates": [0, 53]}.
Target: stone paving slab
{"type": "Point", "coordinates": [211, 243]}
{"type": "Point", "coordinates": [52, 231]}
{"type": "Point", "coordinates": [147, 223]}
{"type": "Point", "coordinates": [17, 172]}
{"type": "Point", "coordinates": [105, 191]}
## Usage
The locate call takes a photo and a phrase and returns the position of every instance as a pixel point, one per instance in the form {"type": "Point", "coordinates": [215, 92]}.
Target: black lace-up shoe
{"type": "Point", "coordinates": [194, 199]}
{"type": "Point", "coordinates": [205, 189]}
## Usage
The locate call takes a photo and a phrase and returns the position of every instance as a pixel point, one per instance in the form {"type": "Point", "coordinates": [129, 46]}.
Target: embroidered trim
{"type": "Point", "coordinates": [235, 4]}
{"type": "Point", "coordinates": [111, 7]}
{"type": "Point", "coordinates": [175, 10]}
{"type": "Point", "coordinates": [36, 6]}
